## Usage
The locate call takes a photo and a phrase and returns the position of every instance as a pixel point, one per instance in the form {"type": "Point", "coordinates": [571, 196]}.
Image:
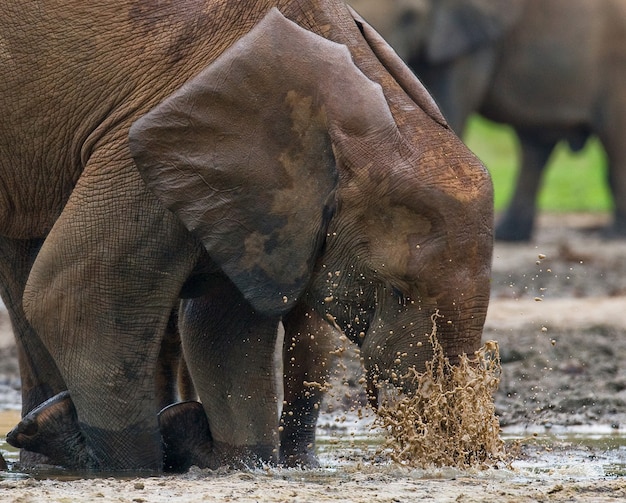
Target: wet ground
{"type": "Point", "coordinates": [558, 312]}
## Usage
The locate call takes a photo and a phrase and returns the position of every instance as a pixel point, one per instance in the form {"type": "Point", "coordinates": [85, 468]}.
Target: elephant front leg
{"type": "Point", "coordinates": [99, 295]}
{"type": "Point", "coordinates": [519, 218]}
{"type": "Point", "coordinates": [307, 357]}
{"type": "Point", "coordinates": [229, 349]}
{"type": "Point", "coordinates": [52, 430]}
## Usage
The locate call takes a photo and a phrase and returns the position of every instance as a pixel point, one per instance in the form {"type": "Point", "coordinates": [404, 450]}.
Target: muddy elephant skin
{"type": "Point", "coordinates": [552, 69]}
{"type": "Point", "coordinates": [267, 159]}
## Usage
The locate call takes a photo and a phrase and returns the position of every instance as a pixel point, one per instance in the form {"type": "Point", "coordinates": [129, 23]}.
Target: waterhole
{"type": "Point", "coordinates": [353, 443]}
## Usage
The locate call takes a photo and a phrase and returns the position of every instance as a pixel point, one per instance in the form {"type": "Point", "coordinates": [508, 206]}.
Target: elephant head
{"type": "Point", "coordinates": [441, 30]}
{"type": "Point", "coordinates": [402, 23]}
{"type": "Point", "coordinates": [450, 44]}
{"type": "Point", "coordinates": [314, 167]}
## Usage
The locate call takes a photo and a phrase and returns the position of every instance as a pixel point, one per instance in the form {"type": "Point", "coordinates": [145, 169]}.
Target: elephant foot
{"type": "Point", "coordinates": [513, 231]}
{"type": "Point", "coordinates": [297, 448]}
{"type": "Point", "coordinates": [617, 230]}
{"type": "Point", "coordinates": [297, 444]}
{"type": "Point", "coordinates": [297, 432]}
{"type": "Point", "coordinates": [51, 429]}
{"type": "Point", "coordinates": [3, 463]}
{"type": "Point", "coordinates": [30, 460]}
{"type": "Point", "coordinates": [306, 459]}
{"type": "Point", "coordinates": [187, 442]}
{"type": "Point", "coordinates": [186, 437]}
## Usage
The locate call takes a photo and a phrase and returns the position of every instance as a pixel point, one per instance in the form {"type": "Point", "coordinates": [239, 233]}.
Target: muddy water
{"type": "Point", "coordinates": [579, 452]}
{"type": "Point", "coordinates": [8, 419]}
{"type": "Point", "coordinates": [347, 447]}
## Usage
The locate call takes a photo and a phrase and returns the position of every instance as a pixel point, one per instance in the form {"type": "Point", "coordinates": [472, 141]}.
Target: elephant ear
{"type": "Point", "coordinates": [243, 155]}
{"type": "Point", "coordinates": [461, 26]}
{"type": "Point", "coordinates": [396, 67]}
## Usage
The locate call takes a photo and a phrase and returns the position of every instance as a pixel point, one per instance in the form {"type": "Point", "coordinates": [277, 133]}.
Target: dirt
{"type": "Point", "coordinates": [558, 312]}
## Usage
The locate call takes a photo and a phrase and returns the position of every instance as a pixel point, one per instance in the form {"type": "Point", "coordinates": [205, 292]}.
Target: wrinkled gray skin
{"type": "Point", "coordinates": [552, 69]}
{"type": "Point", "coordinates": [308, 173]}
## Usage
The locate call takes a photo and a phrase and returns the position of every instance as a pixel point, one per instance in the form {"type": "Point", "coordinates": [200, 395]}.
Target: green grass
{"type": "Point", "coordinates": [572, 181]}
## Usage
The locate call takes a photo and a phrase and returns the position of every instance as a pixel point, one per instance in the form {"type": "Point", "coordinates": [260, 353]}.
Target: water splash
{"type": "Point", "coordinates": [450, 420]}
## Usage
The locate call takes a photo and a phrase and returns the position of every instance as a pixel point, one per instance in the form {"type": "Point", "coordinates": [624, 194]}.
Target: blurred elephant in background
{"type": "Point", "coordinates": [552, 69]}
{"type": "Point", "coordinates": [264, 161]}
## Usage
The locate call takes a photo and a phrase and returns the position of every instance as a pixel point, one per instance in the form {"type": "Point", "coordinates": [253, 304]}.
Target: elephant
{"type": "Point", "coordinates": [52, 428]}
{"type": "Point", "coordinates": [173, 382]}
{"type": "Point", "coordinates": [262, 161]}
{"type": "Point", "coordinates": [551, 69]}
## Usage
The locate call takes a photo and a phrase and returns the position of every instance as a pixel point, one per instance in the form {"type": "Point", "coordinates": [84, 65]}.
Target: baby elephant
{"type": "Point", "coordinates": [269, 160]}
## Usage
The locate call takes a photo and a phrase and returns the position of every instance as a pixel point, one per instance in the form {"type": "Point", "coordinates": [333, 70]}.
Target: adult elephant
{"type": "Point", "coordinates": [552, 69]}
{"type": "Point", "coordinates": [305, 167]}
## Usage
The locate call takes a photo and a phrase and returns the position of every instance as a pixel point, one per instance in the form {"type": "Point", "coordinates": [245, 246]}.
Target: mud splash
{"type": "Point", "coordinates": [451, 419]}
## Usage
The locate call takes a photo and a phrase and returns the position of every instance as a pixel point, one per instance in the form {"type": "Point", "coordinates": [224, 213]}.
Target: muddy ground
{"type": "Point", "coordinates": [558, 312]}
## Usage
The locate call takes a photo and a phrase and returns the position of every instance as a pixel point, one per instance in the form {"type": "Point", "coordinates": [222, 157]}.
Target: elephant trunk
{"type": "Point", "coordinates": [401, 339]}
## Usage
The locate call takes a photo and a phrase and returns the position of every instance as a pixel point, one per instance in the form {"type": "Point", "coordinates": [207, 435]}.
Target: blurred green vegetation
{"type": "Point", "coordinates": [572, 182]}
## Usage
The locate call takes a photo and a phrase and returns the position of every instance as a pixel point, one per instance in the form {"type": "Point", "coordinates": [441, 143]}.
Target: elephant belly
{"type": "Point", "coordinates": [549, 73]}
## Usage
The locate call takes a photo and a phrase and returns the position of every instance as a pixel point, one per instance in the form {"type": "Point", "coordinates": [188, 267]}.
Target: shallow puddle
{"type": "Point", "coordinates": [582, 453]}
{"type": "Point", "coordinates": [8, 419]}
